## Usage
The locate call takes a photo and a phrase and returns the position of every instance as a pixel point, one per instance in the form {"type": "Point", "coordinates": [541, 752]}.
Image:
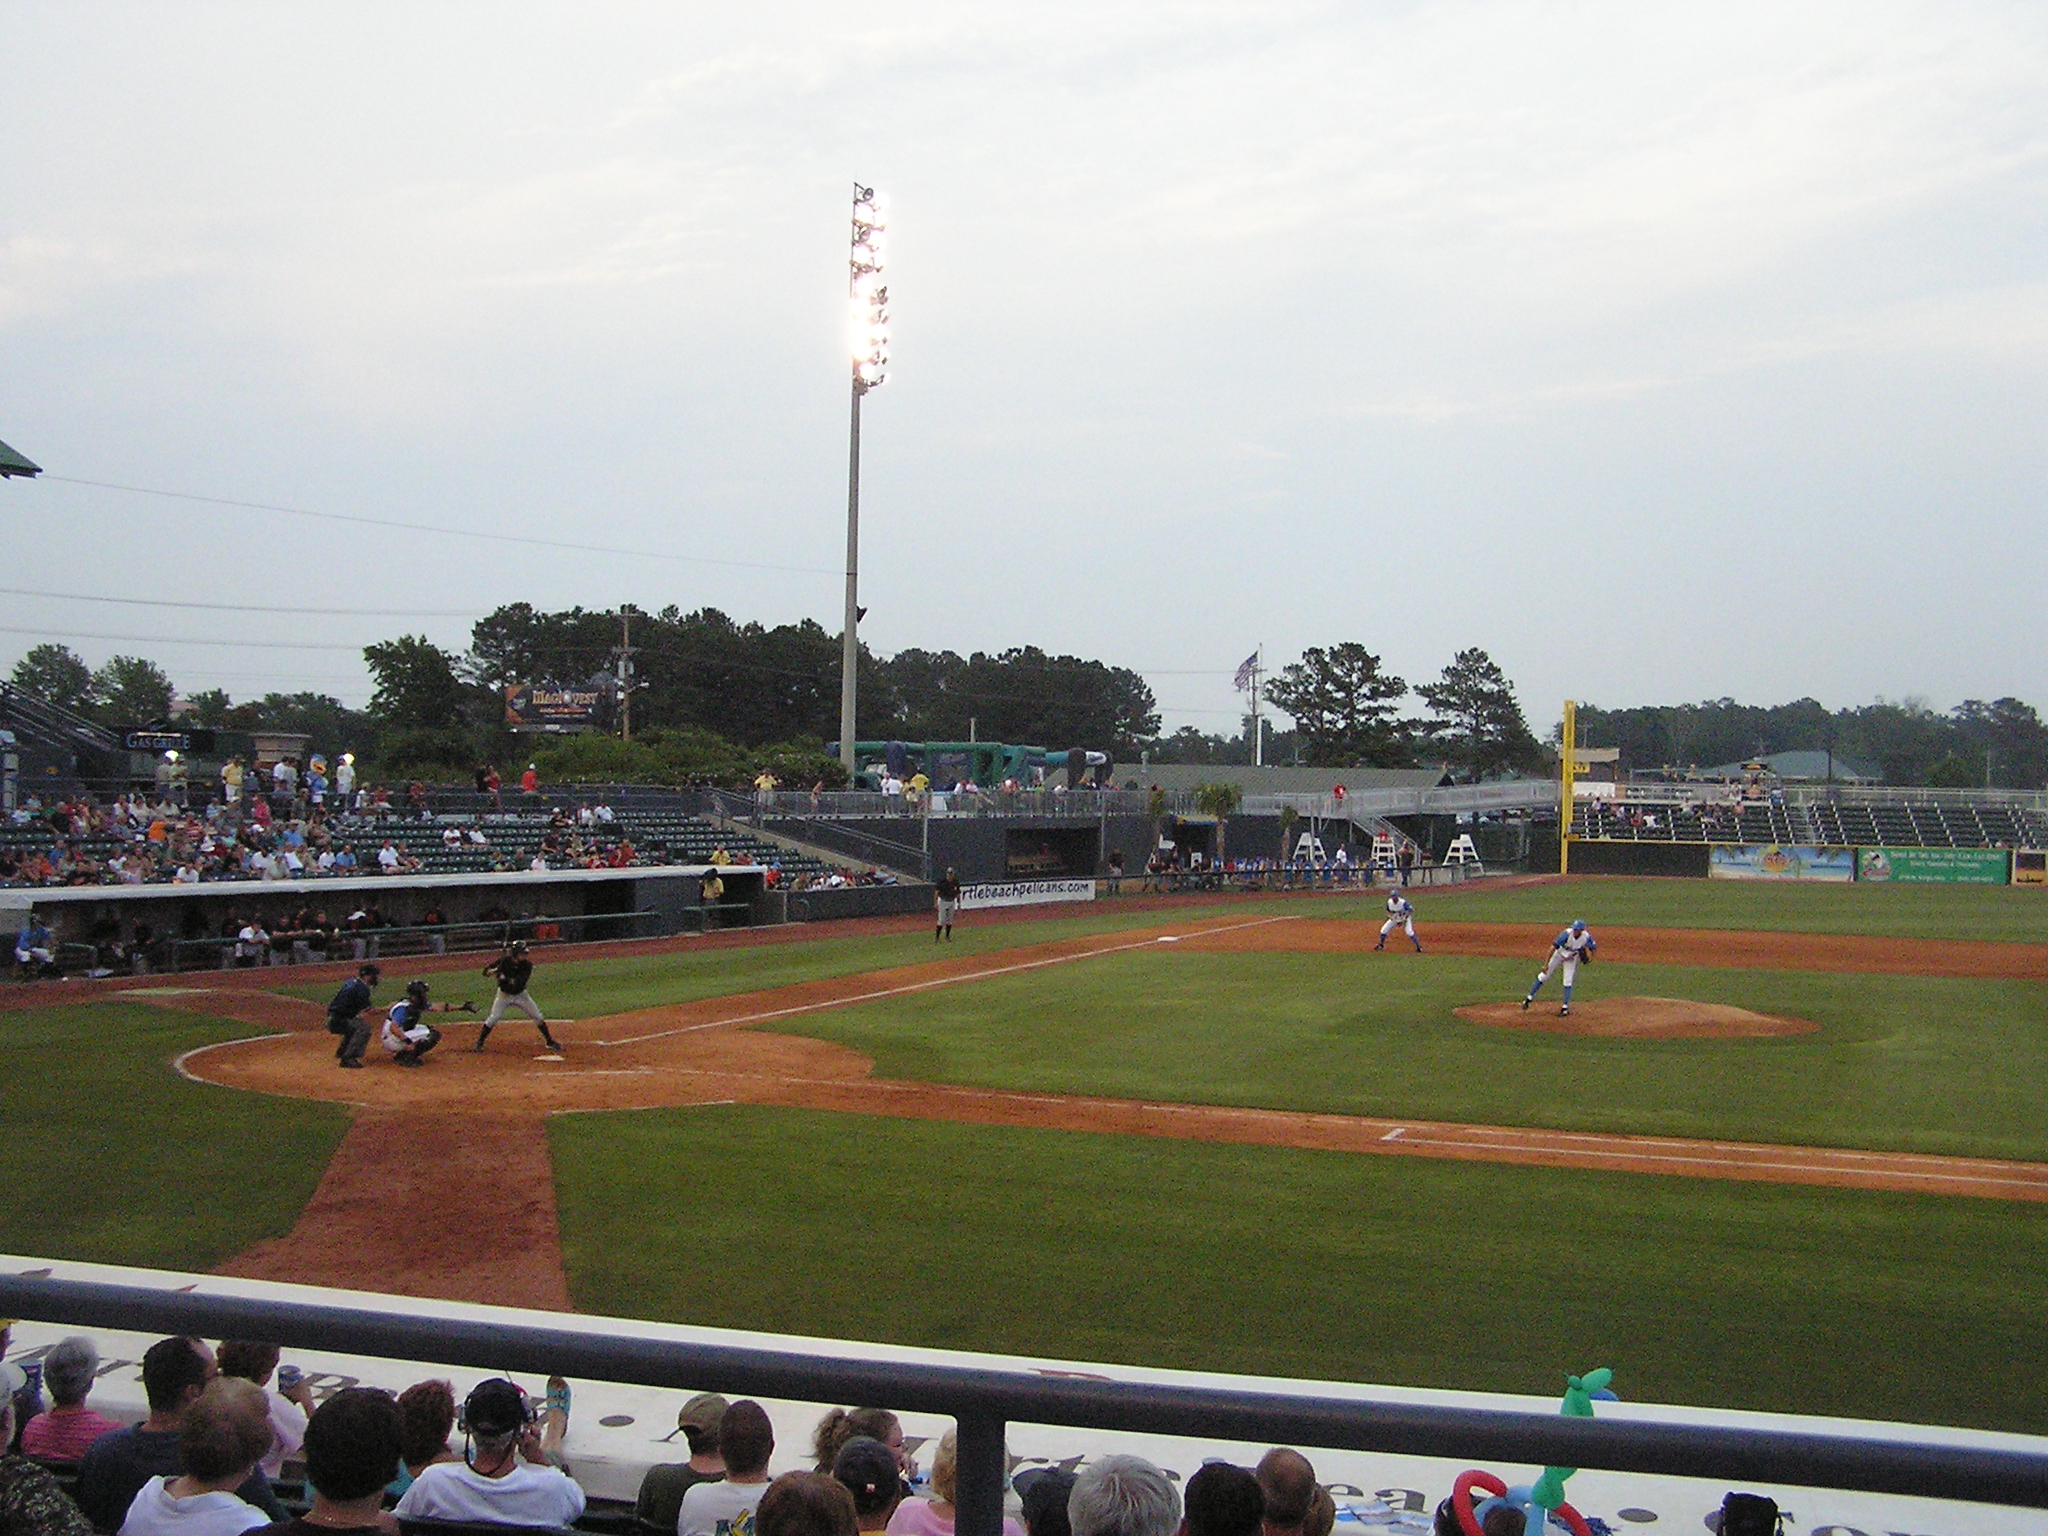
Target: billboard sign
{"type": "Point", "coordinates": [1934, 866]}
{"type": "Point", "coordinates": [168, 741]}
{"type": "Point", "coordinates": [1779, 861]}
{"type": "Point", "coordinates": [531, 707]}
{"type": "Point", "coordinates": [1025, 893]}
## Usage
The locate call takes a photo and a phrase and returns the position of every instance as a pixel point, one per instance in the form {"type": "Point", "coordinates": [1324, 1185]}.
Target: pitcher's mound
{"type": "Point", "coordinates": [1655, 1018]}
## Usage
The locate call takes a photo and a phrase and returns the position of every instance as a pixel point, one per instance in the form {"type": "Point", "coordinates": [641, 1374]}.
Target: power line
{"type": "Point", "coordinates": [165, 602]}
{"type": "Point", "coordinates": [268, 645]}
{"type": "Point", "coordinates": [459, 533]}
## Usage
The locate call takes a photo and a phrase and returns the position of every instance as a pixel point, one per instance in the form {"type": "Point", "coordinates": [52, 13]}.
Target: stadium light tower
{"type": "Point", "coordinates": [870, 305]}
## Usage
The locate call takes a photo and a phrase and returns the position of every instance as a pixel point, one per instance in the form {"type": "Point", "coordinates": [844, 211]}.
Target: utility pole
{"type": "Point", "coordinates": [624, 656]}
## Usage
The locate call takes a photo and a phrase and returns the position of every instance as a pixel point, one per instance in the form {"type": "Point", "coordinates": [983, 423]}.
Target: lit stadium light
{"type": "Point", "coordinates": [869, 295]}
{"type": "Point", "coordinates": [869, 301]}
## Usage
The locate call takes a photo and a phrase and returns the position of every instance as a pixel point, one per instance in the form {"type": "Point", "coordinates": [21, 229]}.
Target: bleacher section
{"type": "Point", "coordinates": [1830, 824]}
{"type": "Point", "coordinates": [659, 836]}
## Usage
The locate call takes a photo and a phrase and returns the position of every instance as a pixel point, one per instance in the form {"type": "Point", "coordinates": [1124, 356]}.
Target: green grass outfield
{"type": "Point", "coordinates": [1900, 1063]}
{"type": "Point", "coordinates": [1892, 911]}
{"type": "Point", "coordinates": [1312, 1264]}
{"type": "Point", "coordinates": [587, 988]}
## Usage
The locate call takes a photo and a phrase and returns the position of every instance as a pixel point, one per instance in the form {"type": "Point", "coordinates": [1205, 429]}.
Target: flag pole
{"type": "Point", "coordinates": [1258, 725]}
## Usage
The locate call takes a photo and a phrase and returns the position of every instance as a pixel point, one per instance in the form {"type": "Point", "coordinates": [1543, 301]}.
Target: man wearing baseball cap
{"type": "Point", "coordinates": [662, 1490]}
{"type": "Point", "coordinates": [502, 1478]}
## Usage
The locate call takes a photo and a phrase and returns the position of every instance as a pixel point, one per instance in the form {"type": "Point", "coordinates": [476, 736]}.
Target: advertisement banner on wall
{"type": "Point", "coordinates": [1025, 893]}
{"type": "Point", "coordinates": [1934, 866]}
{"type": "Point", "coordinates": [1779, 861]}
{"type": "Point", "coordinates": [552, 710]}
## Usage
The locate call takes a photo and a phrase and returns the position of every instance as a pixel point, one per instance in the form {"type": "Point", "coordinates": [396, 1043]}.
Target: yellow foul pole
{"type": "Point", "coordinates": [1568, 761]}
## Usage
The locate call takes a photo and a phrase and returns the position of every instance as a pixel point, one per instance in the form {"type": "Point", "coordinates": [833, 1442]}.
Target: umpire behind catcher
{"type": "Point", "coordinates": [345, 1016]}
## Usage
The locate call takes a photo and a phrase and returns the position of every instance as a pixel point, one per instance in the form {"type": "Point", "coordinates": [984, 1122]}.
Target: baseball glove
{"type": "Point", "coordinates": [468, 1006]}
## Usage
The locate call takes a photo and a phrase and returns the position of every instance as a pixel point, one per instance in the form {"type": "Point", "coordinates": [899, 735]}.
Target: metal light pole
{"type": "Point", "coordinates": [870, 302]}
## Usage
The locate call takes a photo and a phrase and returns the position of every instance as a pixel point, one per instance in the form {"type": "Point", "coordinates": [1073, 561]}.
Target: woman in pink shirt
{"type": "Point", "coordinates": [934, 1516]}
{"type": "Point", "coordinates": [66, 1430]}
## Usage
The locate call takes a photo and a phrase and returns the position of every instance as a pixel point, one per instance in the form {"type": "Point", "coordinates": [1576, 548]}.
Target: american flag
{"type": "Point", "coordinates": [1248, 671]}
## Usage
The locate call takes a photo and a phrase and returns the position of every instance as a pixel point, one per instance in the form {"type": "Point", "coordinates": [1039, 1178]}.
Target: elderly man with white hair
{"type": "Point", "coordinates": [1123, 1496]}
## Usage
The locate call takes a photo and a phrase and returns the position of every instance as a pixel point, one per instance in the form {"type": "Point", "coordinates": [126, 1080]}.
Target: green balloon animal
{"type": "Point", "coordinates": [1579, 1391]}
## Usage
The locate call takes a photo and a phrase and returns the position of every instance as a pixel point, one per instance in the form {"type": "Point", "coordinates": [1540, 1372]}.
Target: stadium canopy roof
{"type": "Point", "coordinates": [1815, 766]}
{"type": "Point", "coordinates": [12, 463]}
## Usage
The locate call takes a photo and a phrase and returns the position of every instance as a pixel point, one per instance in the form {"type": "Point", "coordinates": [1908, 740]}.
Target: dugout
{"type": "Point", "coordinates": [184, 923]}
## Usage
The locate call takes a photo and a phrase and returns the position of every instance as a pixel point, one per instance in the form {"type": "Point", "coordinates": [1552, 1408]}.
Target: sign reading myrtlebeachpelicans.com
{"type": "Point", "coordinates": [1025, 893]}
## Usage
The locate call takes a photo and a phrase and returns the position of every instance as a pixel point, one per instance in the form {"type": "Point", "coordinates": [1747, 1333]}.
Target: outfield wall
{"type": "Point", "coordinates": [1789, 861]}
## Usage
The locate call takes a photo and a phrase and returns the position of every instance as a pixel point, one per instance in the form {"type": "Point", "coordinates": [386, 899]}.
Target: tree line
{"type": "Point", "coordinates": [716, 697]}
{"type": "Point", "coordinates": [2002, 743]}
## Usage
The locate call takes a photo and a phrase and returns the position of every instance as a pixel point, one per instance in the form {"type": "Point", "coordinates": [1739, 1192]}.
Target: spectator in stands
{"type": "Point", "coordinates": [1322, 1515]}
{"type": "Point", "coordinates": [1123, 1496]}
{"type": "Point", "coordinates": [505, 1478]}
{"type": "Point", "coordinates": [934, 1516]}
{"type": "Point", "coordinates": [745, 1442]}
{"type": "Point", "coordinates": [175, 1372]}
{"type": "Point", "coordinates": [426, 1417]}
{"type": "Point", "coordinates": [1044, 1492]}
{"type": "Point", "coordinates": [662, 1489]}
{"type": "Point", "coordinates": [1223, 1500]}
{"type": "Point", "coordinates": [26, 1398]}
{"type": "Point", "coordinates": [345, 780]}
{"type": "Point", "coordinates": [806, 1504]}
{"type": "Point", "coordinates": [869, 1472]}
{"type": "Point", "coordinates": [352, 1441]}
{"type": "Point", "coordinates": [1289, 1484]}
{"type": "Point", "coordinates": [529, 782]}
{"type": "Point", "coordinates": [31, 1503]}
{"type": "Point", "coordinates": [221, 1438]}
{"type": "Point", "coordinates": [288, 1409]}
{"type": "Point", "coordinates": [843, 1424]}
{"type": "Point", "coordinates": [64, 1433]}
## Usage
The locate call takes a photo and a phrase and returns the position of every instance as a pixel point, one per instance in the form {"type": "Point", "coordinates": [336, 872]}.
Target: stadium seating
{"type": "Point", "coordinates": [659, 836]}
{"type": "Point", "coordinates": [1830, 824]}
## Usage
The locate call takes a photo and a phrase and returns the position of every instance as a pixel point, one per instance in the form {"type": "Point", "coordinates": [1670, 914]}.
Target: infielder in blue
{"type": "Point", "coordinates": [1400, 914]}
{"type": "Point", "coordinates": [1567, 949]}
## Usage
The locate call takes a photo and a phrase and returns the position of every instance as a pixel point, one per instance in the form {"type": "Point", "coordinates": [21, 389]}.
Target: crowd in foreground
{"type": "Point", "coordinates": [222, 1425]}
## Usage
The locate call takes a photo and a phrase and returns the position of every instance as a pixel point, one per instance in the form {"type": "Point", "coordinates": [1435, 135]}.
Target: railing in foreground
{"type": "Point", "coordinates": [983, 1401]}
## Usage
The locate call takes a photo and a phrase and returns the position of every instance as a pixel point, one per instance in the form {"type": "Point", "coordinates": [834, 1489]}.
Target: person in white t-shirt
{"type": "Point", "coordinates": [745, 1442]}
{"type": "Point", "coordinates": [503, 1478]}
{"type": "Point", "coordinates": [221, 1437]}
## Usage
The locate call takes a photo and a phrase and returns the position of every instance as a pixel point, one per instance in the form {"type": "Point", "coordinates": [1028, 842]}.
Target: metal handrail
{"type": "Point", "coordinates": [984, 1400]}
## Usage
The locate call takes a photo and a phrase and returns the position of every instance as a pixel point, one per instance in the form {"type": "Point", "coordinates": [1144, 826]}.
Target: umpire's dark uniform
{"type": "Point", "coordinates": [345, 1017]}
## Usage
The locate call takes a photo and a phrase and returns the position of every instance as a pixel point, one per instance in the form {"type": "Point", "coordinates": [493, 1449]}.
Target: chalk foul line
{"type": "Point", "coordinates": [924, 986]}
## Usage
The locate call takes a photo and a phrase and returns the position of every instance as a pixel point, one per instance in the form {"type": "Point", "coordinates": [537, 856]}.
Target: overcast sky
{"type": "Point", "coordinates": [1663, 352]}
